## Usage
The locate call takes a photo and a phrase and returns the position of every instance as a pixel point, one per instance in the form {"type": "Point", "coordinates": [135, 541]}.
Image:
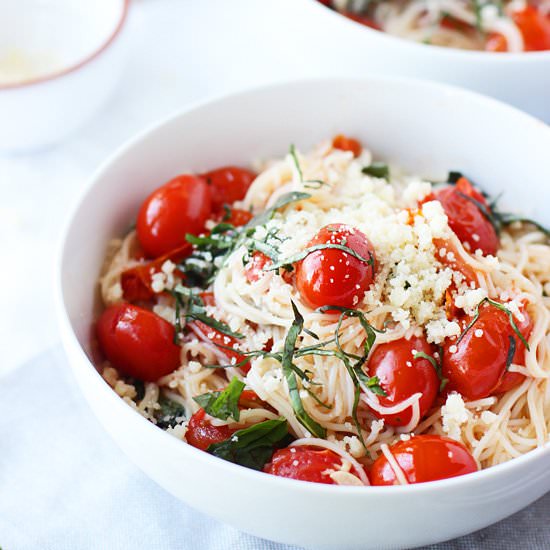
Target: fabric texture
{"type": "Point", "coordinates": [64, 485]}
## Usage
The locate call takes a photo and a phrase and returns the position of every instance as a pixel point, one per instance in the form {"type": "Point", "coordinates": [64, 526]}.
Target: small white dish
{"type": "Point", "coordinates": [346, 47]}
{"type": "Point", "coordinates": [59, 61]}
{"type": "Point", "coordinates": [428, 129]}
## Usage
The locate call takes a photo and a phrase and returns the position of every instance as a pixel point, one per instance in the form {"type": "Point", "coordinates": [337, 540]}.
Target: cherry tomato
{"type": "Point", "coordinates": [228, 184]}
{"type": "Point", "coordinates": [447, 254]}
{"type": "Point", "coordinates": [511, 380]}
{"type": "Point", "coordinates": [238, 217]}
{"type": "Point", "coordinates": [201, 433]}
{"type": "Point", "coordinates": [534, 27]}
{"type": "Point", "coordinates": [345, 143]}
{"type": "Point", "coordinates": [138, 342]}
{"type": "Point", "coordinates": [466, 219]}
{"type": "Point", "coordinates": [137, 281]}
{"type": "Point", "coordinates": [424, 458]}
{"type": "Point", "coordinates": [254, 269]}
{"type": "Point", "coordinates": [401, 376]}
{"type": "Point", "coordinates": [304, 463]}
{"type": "Point", "coordinates": [476, 365]}
{"type": "Point", "coordinates": [179, 207]}
{"type": "Point", "coordinates": [224, 343]}
{"type": "Point", "coordinates": [332, 276]}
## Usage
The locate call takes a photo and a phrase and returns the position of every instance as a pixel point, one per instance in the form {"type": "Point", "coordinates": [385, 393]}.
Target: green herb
{"type": "Point", "coordinates": [454, 176]}
{"type": "Point", "coordinates": [169, 414]}
{"type": "Point", "coordinates": [223, 404]}
{"type": "Point", "coordinates": [253, 447]}
{"type": "Point", "coordinates": [377, 170]}
{"type": "Point", "coordinates": [511, 351]}
{"type": "Point", "coordinates": [312, 184]}
{"type": "Point", "coordinates": [502, 308]}
{"type": "Point", "coordinates": [373, 383]}
{"type": "Point", "coordinates": [306, 252]}
{"type": "Point", "coordinates": [290, 375]}
{"type": "Point", "coordinates": [193, 310]}
{"type": "Point", "coordinates": [437, 365]}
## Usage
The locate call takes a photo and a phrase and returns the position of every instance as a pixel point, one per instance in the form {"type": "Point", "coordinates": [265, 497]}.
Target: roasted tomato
{"type": "Point", "coordinates": [201, 433]}
{"type": "Point", "coordinates": [304, 463]}
{"type": "Point", "coordinates": [345, 143]}
{"type": "Point", "coordinates": [179, 207]}
{"type": "Point", "coordinates": [476, 365]}
{"type": "Point", "coordinates": [466, 210]}
{"type": "Point", "coordinates": [333, 276]}
{"type": "Point", "coordinates": [238, 217]}
{"type": "Point", "coordinates": [401, 376]}
{"type": "Point", "coordinates": [363, 19]}
{"type": "Point", "coordinates": [138, 342]}
{"type": "Point", "coordinates": [254, 269]}
{"type": "Point", "coordinates": [424, 458]}
{"type": "Point", "coordinates": [228, 184]}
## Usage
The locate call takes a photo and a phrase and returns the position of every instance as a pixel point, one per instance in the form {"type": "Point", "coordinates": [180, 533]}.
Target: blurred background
{"type": "Point", "coordinates": [167, 54]}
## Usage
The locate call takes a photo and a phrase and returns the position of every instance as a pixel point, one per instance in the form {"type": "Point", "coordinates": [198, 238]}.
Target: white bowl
{"type": "Point", "coordinates": [71, 59]}
{"type": "Point", "coordinates": [400, 120]}
{"type": "Point", "coordinates": [344, 46]}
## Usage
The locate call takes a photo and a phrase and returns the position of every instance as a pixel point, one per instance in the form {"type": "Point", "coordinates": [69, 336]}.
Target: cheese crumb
{"type": "Point", "coordinates": [454, 414]}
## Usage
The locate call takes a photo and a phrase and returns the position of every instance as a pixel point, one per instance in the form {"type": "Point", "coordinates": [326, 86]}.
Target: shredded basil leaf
{"type": "Point", "coordinates": [511, 351]}
{"type": "Point", "coordinates": [223, 404]}
{"type": "Point", "coordinates": [169, 414]}
{"type": "Point", "coordinates": [312, 184]}
{"type": "Point", "coordinates": [254, 446]}
{"type": "Point", "coordinates": [377, 170]}
{"type": "Point", "coordinates": [437, 365]}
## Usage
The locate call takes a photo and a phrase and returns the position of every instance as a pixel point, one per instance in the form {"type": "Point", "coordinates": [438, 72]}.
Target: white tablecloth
{"type": "Point", "coordinates": [64, 485]}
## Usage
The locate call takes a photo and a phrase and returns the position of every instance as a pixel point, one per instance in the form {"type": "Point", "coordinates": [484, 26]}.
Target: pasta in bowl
{"type": "Point", "coordinates": [261, 371]}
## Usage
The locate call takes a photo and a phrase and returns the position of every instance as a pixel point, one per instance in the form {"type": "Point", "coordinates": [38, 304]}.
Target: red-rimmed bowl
{"type": "Point", "coordinates": [68, 57]}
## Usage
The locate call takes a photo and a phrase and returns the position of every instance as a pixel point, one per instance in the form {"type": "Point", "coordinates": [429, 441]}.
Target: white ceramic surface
{"type": "Point", "coordinates": [425, 127]}
{"type": "Point", "coordinates": [77, 44]}
{"type": "Point", "coordinates": [344, 46]}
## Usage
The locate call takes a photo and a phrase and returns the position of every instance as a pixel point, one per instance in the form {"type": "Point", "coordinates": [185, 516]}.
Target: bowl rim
{"type": "Point", "coordinates": [441, 51]}
{"type": "Point", "coordinates": [103, 46]}
{"type": "Point", "coordinates": [70, 340]}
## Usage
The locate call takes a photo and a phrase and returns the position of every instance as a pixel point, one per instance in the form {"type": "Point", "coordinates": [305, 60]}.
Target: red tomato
{"type": "Point", "coordinates": [239, 217]}
{"type": "Point", "coordinates": [534, 27]}
{"type": "Point", "coordinates": [201, 433]}
{"type": "Point", "coordinates": [222, 341]}
{"type": "Point", "coordinates": [511, 380]}
{"type": "Point", "coordinates": [363, 19]}
{"type": "Point", "coordinates": [424, 458]}
{"type": "Point", "coordinates": [401, 375]}
{"type": "Point", "coordinates": [228, 184]}
{"type": "Point", "coordinates": [476, 366]}
{"type": "Point", "coordinates": [254, 269]}
{"type": "Point", "coordinates": [138, 342]}
{"type": "Point", "coordinates": [332, 276]}
{"type": "Point", "coordinates": [137, 281]}
{"type": "Point", "coordinates": [466, 219]}
{"type": "Point", "coordinates": [179, 207]}
{"type": "Point", "coordinates": [345, 143]}
{"type": "Point", "coordinates": [453, 259]}
{"type": "Point", "coordinates": [304, 463]}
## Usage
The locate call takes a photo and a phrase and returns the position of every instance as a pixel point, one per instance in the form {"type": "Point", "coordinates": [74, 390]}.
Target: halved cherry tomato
{"type": "Point", "coordinates": [424, 458]}
{"type": "Point", "coordinates": [511, 380]}
{"type": "Point", "coordinates": [476, 365]}
{"type": "Point", "coordinates": [534, 27]}
{"type": "Point", "coordinates": [137, 281]}
{"type": "Point", "coordinates": [466, 219]}
{"type": "Point", "coordinates": [254, 269]}
{"type": "Point", "coordinates": [138, 342]}
{"type": "Point", "coordinates": [401, 376]}
{"type": "Point", "coordinates": [345, 143]}
{"type": "Point", "coordinates": [333, 276]}
{"type": "Point", "coordinates": [224, 343]}
{"type": "Point", "coordinates": [447, 254]}
{"type": "Point", "coordinates": [228, 184]}
{"type": "Point", "coordinates": [304, 463]}
{"type": "Point", "coordinates": [179, 207]}
{"type": "Point", "coordinates": [201, 433]}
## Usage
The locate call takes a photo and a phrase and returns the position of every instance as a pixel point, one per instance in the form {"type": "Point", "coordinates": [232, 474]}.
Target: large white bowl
{"type": "Point", "coordinates": [344, 46]}
{"type": "Point", "coordinates": [427, 128]}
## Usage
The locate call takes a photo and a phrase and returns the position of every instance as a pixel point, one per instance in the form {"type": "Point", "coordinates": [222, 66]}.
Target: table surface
{"type": "Point", "coordinates": [179, 51]}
